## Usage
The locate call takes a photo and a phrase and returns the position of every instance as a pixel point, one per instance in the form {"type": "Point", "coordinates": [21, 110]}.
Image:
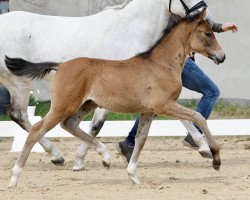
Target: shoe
{"type": "Point", "coordinates": [189, 142]}
{"type": "Point", "coordinates": [125, 151]}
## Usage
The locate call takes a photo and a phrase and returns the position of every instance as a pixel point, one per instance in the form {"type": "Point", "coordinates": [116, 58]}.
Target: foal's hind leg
{"type": "Point", "coordinates": [141, 136]}
{"type": "Point", "coordinates": [95, 127]}
{"type": "Point", "coordinates": [177, 111]}
{"type": "Point", "coordinates": [18, 113]}
{"type": "Point", "coordinates": [37, 131]}
{"type": "Point", "coordinates": [72, 125]}
{"type": "Point", "coordinates": [198, 138]}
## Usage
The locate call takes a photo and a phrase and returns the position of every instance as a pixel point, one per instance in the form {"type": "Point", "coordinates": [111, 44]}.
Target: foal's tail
{"type": "Point", "coordinates": [21, 67]}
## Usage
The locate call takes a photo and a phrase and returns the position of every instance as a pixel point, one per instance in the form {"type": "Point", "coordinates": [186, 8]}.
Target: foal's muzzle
{"type": "Point", "coordinates": [219, 57]}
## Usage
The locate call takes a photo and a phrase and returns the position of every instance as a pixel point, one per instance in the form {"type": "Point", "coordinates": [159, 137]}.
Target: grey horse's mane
{"type": "Point", "coordinates": [173, 22]}
{"type": "Point", "coordinates": [118, 7]}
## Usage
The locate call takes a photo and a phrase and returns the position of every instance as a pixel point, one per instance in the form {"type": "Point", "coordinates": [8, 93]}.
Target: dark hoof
{"type": "Point", "coordinates": [78, 170]}
{"type": "Point", "coordinates": [216, 165]}
{"type": "Point", "coordinates": [206, 154]}
{"type": "Point", "coordinates": [106, 165]}
{"type": "Point", "coordinates": [58, 162]}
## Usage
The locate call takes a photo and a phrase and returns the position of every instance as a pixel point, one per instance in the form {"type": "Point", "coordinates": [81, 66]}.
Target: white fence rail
{"type": "Point", "coordinates": [224, 127]}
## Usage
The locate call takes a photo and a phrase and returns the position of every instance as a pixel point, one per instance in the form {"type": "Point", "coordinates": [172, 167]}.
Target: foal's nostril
{"type": "Point", "coordinates": [223, 58]}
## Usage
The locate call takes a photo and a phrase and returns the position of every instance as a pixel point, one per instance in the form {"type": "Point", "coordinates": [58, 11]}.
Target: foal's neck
{"type": "Point", "coordinates": [174, 48]}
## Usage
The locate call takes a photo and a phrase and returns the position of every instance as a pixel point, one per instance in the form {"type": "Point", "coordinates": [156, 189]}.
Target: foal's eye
{"type": "Point", "coordinates": [208, 34]}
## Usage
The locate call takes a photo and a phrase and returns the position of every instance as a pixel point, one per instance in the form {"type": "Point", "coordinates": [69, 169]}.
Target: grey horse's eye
{"type": "Point", "coordinates": [208, 34]}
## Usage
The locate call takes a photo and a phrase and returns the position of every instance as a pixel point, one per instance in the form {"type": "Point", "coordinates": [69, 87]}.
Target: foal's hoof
{"type": "Point", "coordinates": [106, 159]}
{"type": "Point", "coordinates": [106, 165]}
{"type": "Point", "coordinates": [58, 162]}
{"type": "Point", "coordinates": [135, 180]}
{"type": "Point", "coordinates": [13, 182]}
{"type": "Point", "coordinates": [216, 165]}
{"type": "Point", "coordinates": [206, 154]}
{"type": "Point", "coordinates": [12, 185]}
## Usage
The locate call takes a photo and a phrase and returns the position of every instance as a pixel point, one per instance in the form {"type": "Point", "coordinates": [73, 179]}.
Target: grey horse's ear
{"type": "Point", "coordinates": [196, 15]}
{"type": "Point", "coordinates": [192, 16]}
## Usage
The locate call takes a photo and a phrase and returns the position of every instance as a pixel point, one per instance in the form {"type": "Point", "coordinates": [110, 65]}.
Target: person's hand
{"type": "Point", "coordinates": [229, 27]}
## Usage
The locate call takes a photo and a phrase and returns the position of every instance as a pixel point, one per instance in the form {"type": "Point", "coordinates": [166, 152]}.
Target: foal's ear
{"type": "Point", "coordinates": [202, 14]}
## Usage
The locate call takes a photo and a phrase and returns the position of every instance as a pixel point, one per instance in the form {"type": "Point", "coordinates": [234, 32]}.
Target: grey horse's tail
{"type": "Point", "coordinates": [21, 67]}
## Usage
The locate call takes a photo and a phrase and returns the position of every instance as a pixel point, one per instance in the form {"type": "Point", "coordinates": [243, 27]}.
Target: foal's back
{"type": "Point", "coordinates": [126, 84]}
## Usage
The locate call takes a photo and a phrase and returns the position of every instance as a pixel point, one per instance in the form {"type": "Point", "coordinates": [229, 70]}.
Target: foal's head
{"type": "Point", "coordinates": [202, 40]}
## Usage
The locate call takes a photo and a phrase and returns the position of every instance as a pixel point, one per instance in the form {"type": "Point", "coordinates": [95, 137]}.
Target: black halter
{"type": "Point", "coordinates": [188, 10]}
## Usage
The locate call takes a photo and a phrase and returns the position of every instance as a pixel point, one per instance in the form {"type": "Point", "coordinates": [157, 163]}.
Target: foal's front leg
{"type": "Point", "coordinates": [141, 136]}
{"type": "Point", "coordinates": [175, 110]}
{"type": "Point", "coordinates": [95, 127]}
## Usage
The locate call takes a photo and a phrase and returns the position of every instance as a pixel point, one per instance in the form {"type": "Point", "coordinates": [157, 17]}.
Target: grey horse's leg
{"type": "Point", "coordinates": [72, 125]}
{"type": "Point", "coordinates": [140, 139]}
{"type": "Point", "coordinates": [95, 127]}
{"type": "Point", "coordinates": [18, 113]}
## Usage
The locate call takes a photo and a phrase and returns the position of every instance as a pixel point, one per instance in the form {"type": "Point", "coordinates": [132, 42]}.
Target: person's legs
{"type": "Point", "coordinates": [126, 147]}
{"type": "Point", "coordinates": [131, 137]}
{"type": "Point", "coordinates": [193, 78]}
{"type": "Point", "coordinates": [4, 99]}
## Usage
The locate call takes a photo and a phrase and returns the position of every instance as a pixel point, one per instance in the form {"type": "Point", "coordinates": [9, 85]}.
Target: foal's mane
{"type": "Point", "coordinates": [173, 22]}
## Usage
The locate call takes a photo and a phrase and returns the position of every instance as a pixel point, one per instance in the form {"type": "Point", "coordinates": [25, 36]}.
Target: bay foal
{"type": "Point", "coordinates": [152, 80]}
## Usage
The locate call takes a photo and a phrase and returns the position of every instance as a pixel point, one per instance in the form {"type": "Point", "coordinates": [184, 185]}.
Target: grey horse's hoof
{"type": "Point", "coordinates": [78, 167]}
{"type": "Point", "coordinates": [206, 154]}
{"type": "Point", "coordinates": [58, 162]}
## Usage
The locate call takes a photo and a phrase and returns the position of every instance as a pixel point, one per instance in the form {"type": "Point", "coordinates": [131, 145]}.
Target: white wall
{"type": "Point", "coordinates": [232, 77]}
{"type": "Point", "coordinates": [62, 7]}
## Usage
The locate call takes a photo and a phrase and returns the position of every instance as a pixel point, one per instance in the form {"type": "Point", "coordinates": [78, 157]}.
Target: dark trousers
{"type": "Point", "coordinates": [4, 100]}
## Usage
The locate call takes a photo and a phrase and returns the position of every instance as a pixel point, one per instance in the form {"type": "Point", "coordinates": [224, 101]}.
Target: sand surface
{"type": "Point", "coordinates": [167, 169]}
